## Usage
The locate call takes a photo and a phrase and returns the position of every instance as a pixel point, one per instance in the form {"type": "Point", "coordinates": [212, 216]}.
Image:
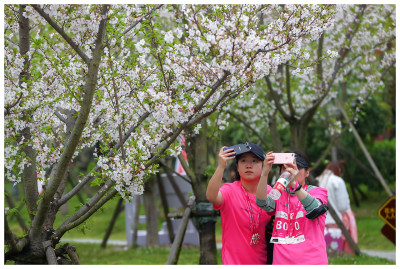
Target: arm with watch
{"type": "Point", "coordinates": [312, 205]}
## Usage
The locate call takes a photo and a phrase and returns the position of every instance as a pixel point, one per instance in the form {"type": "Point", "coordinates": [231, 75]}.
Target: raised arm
{"type": "Point", "coordinates": [213, 194]}
{"type": "Point", "coordinates": [262, 184]}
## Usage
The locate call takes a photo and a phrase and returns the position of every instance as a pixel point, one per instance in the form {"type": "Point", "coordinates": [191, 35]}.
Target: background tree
{"type": "Point", "coordinates": [358, 71]}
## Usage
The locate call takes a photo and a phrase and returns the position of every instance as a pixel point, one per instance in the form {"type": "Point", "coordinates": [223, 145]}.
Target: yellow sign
{"type": "Point", "coordinates": [388, 212]}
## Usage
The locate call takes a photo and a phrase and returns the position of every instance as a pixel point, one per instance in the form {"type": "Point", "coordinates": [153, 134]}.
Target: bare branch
{"type": "Point", "coordinates": [248, 126]}
{"type": "Point", "coordinates": [50, 253]}
{"type": "Point", "coordinates": [70, 224]}
{"type": "Point", "coordinates": [71, 253]}
{"type": "Point", "coordinates": [76, 48]}
{"type": "Point", "coordinates": [288, 92]}
{"type": "Point", "coordinates": [60, 117]}
{"type": "Point", "coordinates": [275, 97]}
{"type": "Point", "coordinates": [187, 169]}
{"type": "Point", "coordinates": [174, 172]}
{"type": "Point", "coordinates": [16, 244]}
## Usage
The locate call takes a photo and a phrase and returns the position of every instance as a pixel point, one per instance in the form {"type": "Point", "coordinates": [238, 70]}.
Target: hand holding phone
{"type": "Point", "coordinates": [284, 158]}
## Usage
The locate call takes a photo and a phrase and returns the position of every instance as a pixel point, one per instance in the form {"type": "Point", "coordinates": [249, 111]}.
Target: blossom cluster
{"type": "Point", "coordinates": [158, 78]}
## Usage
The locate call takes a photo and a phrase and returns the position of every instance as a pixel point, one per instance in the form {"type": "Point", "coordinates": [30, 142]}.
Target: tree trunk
{"type": "Point", "coordinates": [205, 225]}
{"type": "Point", "coordinates": [208, 247]}
{"type": "Point", "coordinates": [276, 139]}
{"type": "Point", "coordinates": [151, 213]}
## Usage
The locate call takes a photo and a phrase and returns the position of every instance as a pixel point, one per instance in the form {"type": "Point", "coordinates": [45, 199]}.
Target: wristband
{"type": "Point", "coordinates": [298, 188]}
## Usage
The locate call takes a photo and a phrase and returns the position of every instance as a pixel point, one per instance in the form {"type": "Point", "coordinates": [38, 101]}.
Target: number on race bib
{"type": "Point", "coordinates": [279, 225]}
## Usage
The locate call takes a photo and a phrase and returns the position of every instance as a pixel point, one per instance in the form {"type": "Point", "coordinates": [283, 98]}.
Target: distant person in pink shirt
{"type": "Point", "coordinates": [243, 222]}
{"type": "Point", "coordinates": [300, 214]}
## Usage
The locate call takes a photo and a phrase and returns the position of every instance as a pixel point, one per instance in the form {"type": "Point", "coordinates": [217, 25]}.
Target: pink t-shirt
{"type": "Point", "coordinates": [236, 228]}
{"type": "Point", "coordinates": [313, 249]}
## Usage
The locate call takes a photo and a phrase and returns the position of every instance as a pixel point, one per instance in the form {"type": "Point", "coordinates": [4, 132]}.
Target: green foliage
{"type": "Point", "coordinates": [384, 153]}
{"type": "Point", "coordinates": [375, 118]}
{"type": "Point", "coordinates": [210, 169]}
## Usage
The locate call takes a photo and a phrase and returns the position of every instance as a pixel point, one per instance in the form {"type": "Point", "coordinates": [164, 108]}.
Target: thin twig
{"type": "Point", "coordinates": [62, 33]}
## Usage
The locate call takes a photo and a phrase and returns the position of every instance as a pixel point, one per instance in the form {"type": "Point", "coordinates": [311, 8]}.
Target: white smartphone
{"type": "Point", "coordinates": [281, 158]}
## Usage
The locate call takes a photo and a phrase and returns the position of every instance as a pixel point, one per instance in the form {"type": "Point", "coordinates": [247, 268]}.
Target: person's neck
{"type": "Point", "coordinates": [250, 186]}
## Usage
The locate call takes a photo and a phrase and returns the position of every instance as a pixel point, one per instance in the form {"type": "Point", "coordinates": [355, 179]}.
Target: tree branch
{"type": "Point", "coordinates": [188, 170]}
{"type": "Point", "coordinates": [8, 107]}
{"type": "Point", "coordinates": [8, 234]}
{"type": "Point", "coordinates": [248, 126]}
{"type": "Point", "coordinates": [320, 70]}
{"type": "Point", "coordinates": [75, 47]}
{"type": "Point", "coordinates": [68, 225]}
{"type": "Point", "coordinates": [139, 21]}
{"type": "Point", "coordinates": [60, 117]}
{"type": "Point", "coordinates": [288, 92]}
{"type": "Point", "coordinates": [71, 253]}
{"type": "Point", "coordinates": [275, 97]}
{"type": "Point", "coordinates": [16, 244]}
{"type": "Point", "coordinates": [213, 89]}
{"type": "Point", "coordinates": [166, 167]}
{"type": "Point", "coordinates": [89, 177]}
{"type": "Point", "coordinates": [50, 253]}
{"type": "Point", "coordinates": [65, 159]}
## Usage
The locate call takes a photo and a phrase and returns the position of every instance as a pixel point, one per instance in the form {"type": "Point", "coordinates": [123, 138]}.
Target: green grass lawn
{"type": "Point", "coordinates": [94, 254]}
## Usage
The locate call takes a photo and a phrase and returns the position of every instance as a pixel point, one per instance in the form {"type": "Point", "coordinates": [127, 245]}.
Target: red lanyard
{"type": "Point", "coordinates": [253, 223]}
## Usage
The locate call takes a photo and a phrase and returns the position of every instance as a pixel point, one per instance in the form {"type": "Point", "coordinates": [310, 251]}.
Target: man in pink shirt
{"type": "Point", "coordinates": [243, 222]}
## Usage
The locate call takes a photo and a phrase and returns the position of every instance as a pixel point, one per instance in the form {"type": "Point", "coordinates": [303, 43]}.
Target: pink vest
{"type": "Point", "coordinates": [236, 228]}
{"type": "Point", "coordinates": [299, 240]}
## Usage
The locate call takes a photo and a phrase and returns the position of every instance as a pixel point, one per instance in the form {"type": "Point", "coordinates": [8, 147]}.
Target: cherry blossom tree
{"type": "Point", "coordinates": [359, 50]}
{"type": "Point", "coordinates": [129, 78]}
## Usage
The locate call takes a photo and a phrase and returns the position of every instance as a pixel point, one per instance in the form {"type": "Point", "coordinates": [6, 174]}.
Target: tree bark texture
{"type": "Point", "coordinates": [208, 247]}
{"type": "Point", "coordinates": [29, 178]}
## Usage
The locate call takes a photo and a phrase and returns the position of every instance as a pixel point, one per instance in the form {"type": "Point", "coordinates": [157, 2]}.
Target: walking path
{"type": "Point", "coordinates": [390, 255]}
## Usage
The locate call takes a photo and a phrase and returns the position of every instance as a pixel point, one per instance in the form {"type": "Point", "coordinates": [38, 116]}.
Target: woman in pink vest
{"type": "Point", "coordinates": [300, 215]}
{"type": "Point", "coordinates": [243, 222]}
